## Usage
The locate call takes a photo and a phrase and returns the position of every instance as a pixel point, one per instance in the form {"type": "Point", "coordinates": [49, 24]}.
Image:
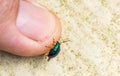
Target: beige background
{"type": "Point", "coordinates": [92, 29]}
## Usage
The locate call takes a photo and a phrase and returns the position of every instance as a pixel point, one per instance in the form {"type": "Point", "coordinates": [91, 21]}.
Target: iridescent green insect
{"type": "Point", "coordinates": [54, 51]}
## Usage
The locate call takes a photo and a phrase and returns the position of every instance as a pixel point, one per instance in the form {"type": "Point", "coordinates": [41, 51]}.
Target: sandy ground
{"type": "Point", "coordinates": [92, 31]}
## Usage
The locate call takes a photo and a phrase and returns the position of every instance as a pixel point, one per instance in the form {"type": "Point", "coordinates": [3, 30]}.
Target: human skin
{"type": "Point", "coordinates": [27, 29]}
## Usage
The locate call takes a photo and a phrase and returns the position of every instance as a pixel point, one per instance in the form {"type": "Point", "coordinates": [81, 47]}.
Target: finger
{"type": "Point", "coordinates": [14, 42]}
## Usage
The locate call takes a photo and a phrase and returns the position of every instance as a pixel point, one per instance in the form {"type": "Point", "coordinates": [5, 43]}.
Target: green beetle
{"type": "Point", "coordinates": [54, 51]}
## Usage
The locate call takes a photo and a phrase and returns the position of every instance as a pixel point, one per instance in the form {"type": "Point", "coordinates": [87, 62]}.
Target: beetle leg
{"type": "Point", "coordinates": [48, 59]}
{"type": "Point", "coordinates": [47, 47]}
{"type": "Point", "coordinates": [54, 42]}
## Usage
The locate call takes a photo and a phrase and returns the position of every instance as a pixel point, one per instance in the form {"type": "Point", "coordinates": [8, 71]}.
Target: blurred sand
{"type": "Point", "coordinates": [93, 30]}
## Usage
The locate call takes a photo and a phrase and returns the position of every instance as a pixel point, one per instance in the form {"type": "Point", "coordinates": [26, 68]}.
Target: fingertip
{"type": "Point", "coordinates": [43, 26]}
{"type": "Point", "coordinates": [32, 43]}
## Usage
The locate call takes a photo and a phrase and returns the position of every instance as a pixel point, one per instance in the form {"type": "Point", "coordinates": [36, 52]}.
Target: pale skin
{"type": "Point", "coordinates": [26, 29]}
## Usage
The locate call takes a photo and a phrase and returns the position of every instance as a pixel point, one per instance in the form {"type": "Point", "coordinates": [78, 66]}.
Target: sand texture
{"type": "Point", "coordinates": [90, 42]}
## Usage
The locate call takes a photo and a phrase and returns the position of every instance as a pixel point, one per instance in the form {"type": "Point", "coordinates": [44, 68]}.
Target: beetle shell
{"type": "Point", "coordinates": [54, 51]}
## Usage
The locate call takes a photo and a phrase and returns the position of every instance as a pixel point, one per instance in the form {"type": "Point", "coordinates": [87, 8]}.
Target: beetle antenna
{"type": "Point", "coordinates": [64, 41]}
